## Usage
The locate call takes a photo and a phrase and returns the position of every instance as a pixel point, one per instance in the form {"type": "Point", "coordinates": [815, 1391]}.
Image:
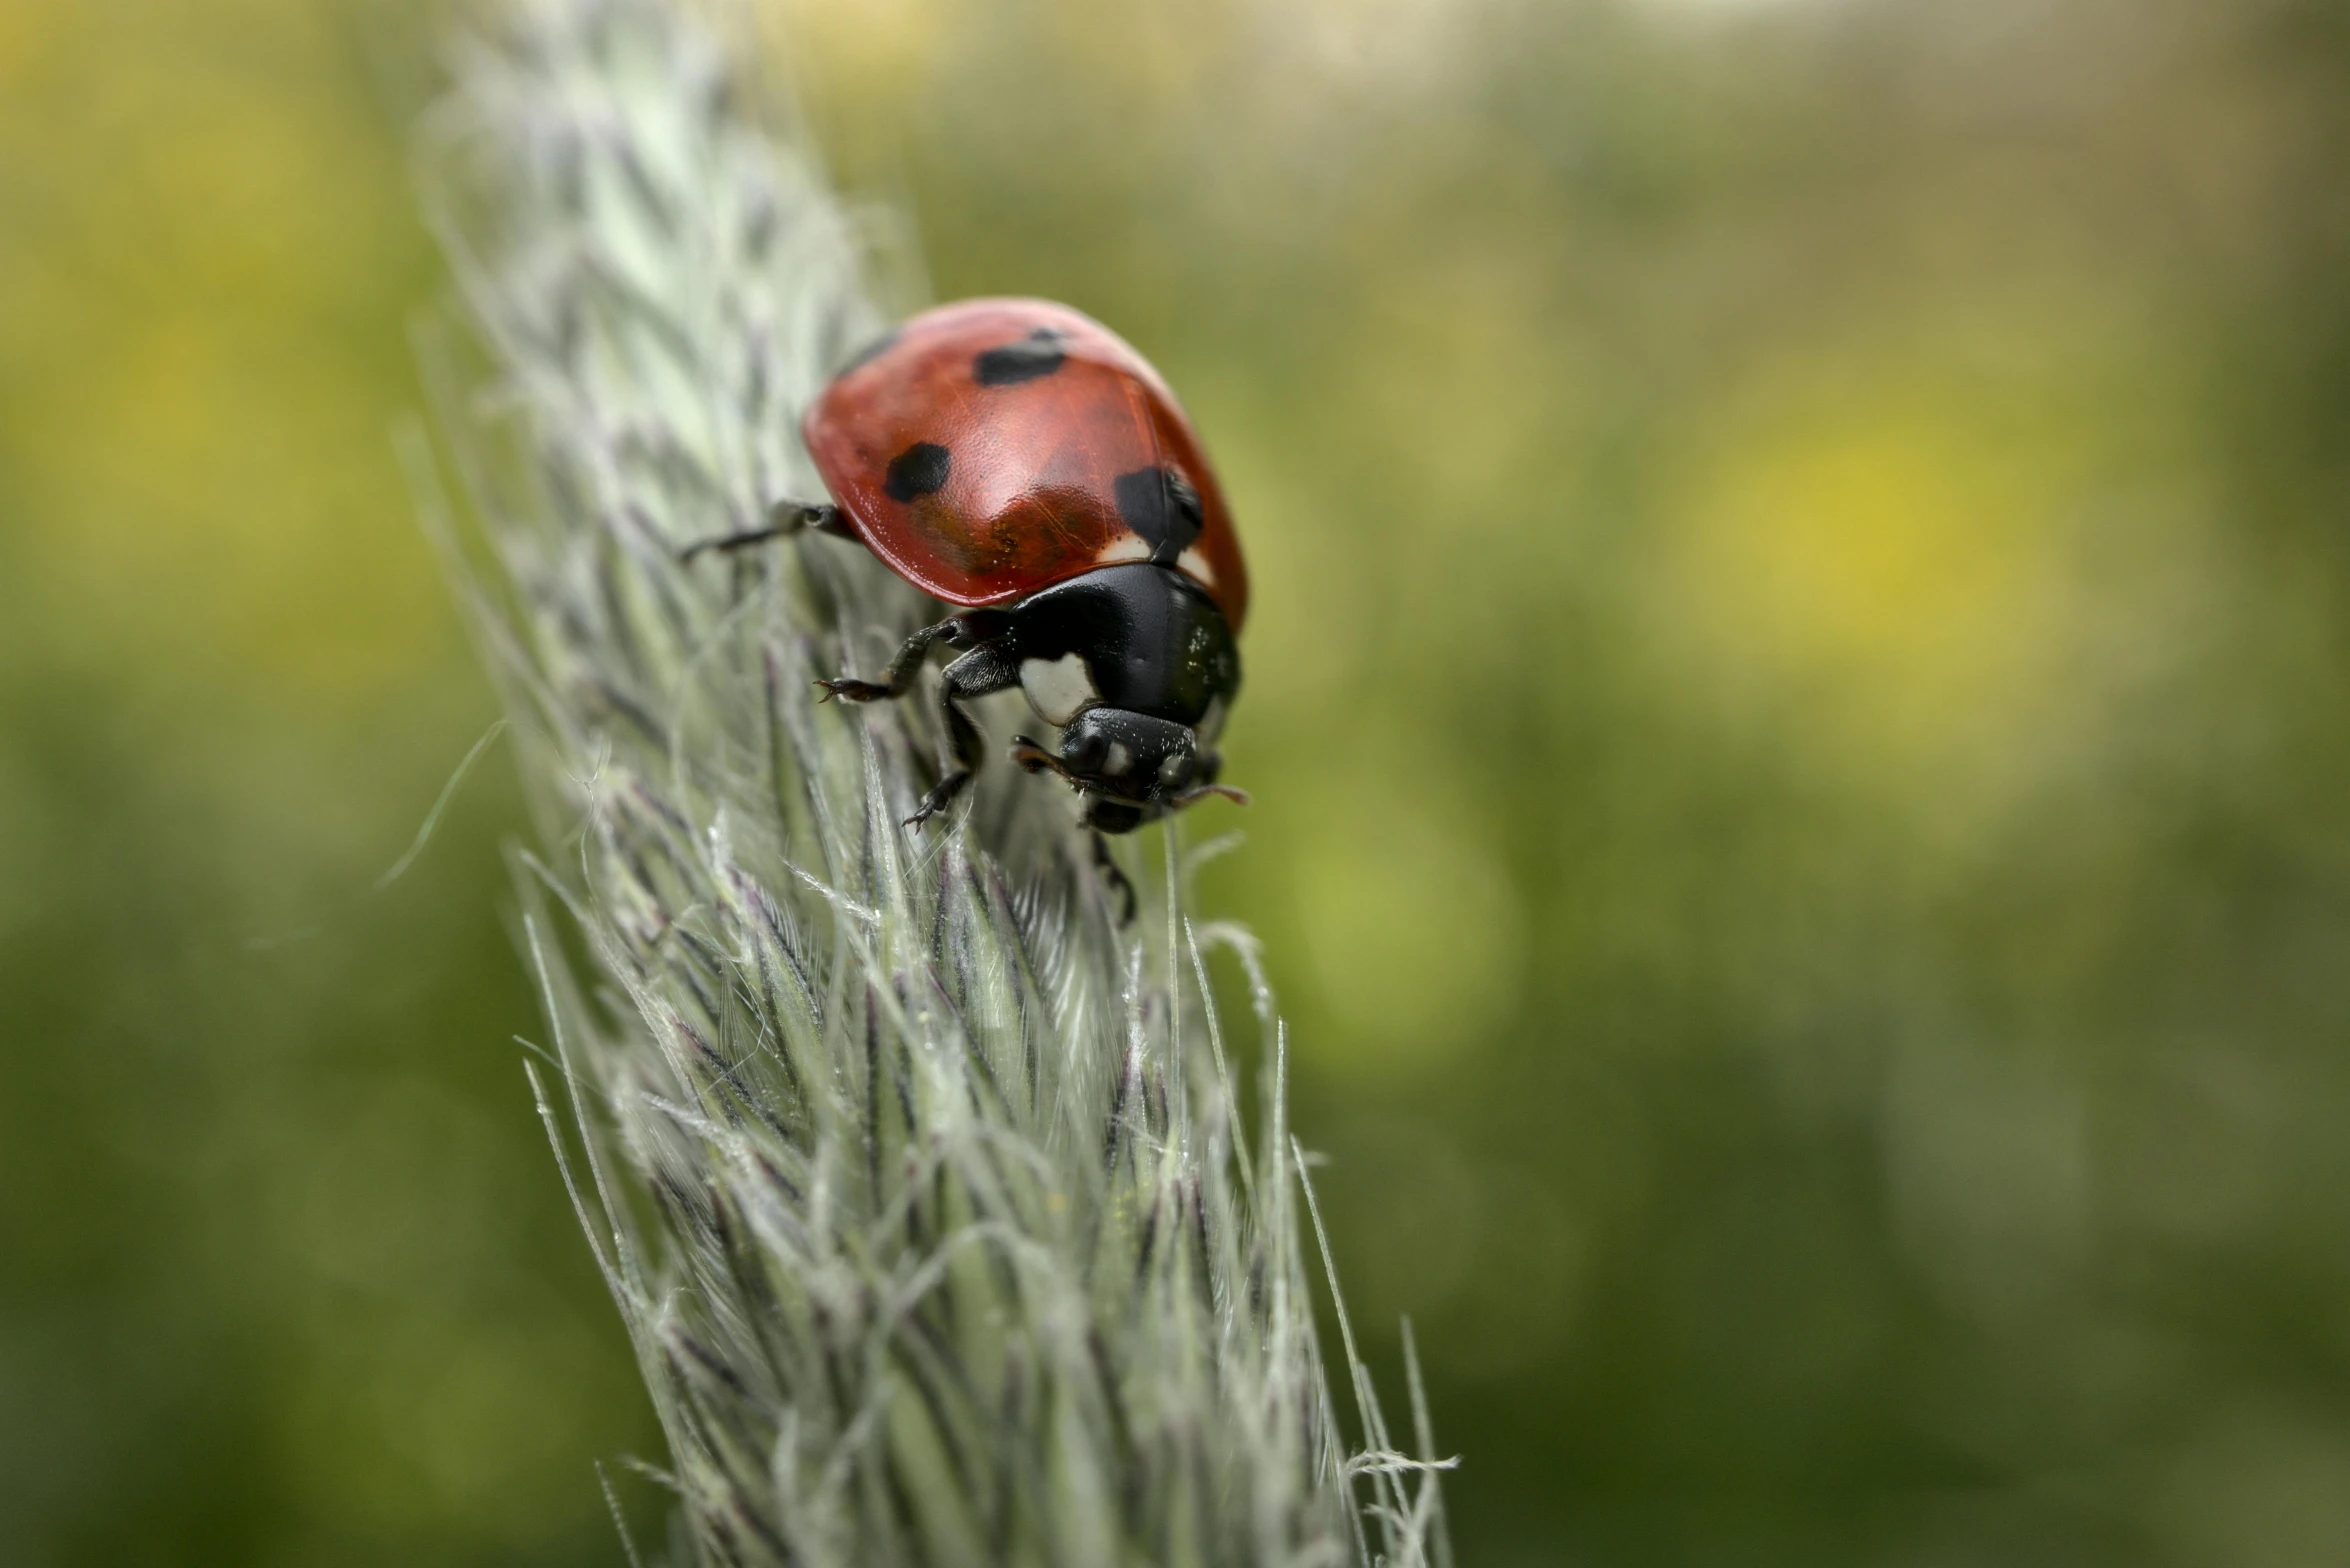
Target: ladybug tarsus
{"type": "Point", "coordinates": [1117, 879]}
{"type": "Point", "coordinates": [940, 798]}
{"type": "Point", "coordinates": [902, 667]}
{"type": "Point", "coordinates": [784, 518]}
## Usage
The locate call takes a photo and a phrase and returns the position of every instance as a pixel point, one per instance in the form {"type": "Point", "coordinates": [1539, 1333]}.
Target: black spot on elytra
{"type": "Point", "coordinates": [870, 352]}
{"type": "Point", "coordinates": [1036, 355]}
{"type": "Point", "coordinates": [918, 470]}
{"type": "Point", "coordinates": [1160, 505]}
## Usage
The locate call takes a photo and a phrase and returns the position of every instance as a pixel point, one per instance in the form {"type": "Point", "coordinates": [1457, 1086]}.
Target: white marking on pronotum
{"type": "Point", "coordinates": [1058, 688]}
{"type": "Point", "coordinates": [1193, 564]}
{"type": "Point", "coordinates": [1126, 547]}
{"type": "Point", "coordinates": [1121, 758]}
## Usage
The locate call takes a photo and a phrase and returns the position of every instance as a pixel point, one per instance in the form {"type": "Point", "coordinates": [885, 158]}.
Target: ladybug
{"type": "Point", "coordinates": [1017, 459]}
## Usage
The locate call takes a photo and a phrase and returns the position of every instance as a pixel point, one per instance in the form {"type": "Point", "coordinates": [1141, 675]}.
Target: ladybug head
{"type": "Point", "coordinates": [1131, 768]}
{"type": "Point", "coordinates": [1130, 765]}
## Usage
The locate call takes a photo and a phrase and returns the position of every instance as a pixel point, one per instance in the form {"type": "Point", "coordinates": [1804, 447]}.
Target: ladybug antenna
{"type": "Point", "coordinates": [1238, 797]}
{"type": "Point", "coordinates": [1035, 759]}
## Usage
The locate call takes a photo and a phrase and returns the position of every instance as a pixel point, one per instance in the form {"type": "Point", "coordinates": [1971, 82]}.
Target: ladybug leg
{"type": "Point", "coordinates": [1115, 877]}
{"type": "Point", "coordinates": [976, 674]}
{"type": "Point", "coordinates": [784, 519]}
{"type": "Point", "coordinates": [901, 669]}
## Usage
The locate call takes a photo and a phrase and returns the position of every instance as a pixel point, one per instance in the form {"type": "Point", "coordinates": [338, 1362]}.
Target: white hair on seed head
{"type": "Point", "coordinates": [919, 1180]}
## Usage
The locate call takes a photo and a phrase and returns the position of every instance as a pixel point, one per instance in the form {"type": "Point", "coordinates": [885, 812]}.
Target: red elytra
{"type": "Point", "coordinates": [993, 447]}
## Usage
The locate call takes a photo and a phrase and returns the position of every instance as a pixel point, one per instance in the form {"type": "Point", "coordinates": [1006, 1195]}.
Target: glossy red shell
{"type": "Point", "coordinates": [1027, 493]}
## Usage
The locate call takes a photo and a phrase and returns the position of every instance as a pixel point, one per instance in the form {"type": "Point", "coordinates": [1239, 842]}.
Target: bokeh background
{"type": "Point", "coordinates": [1800, 715]}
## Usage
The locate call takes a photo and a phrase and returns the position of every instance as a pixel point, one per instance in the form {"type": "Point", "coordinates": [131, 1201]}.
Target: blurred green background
{"type": "Point", "coordinates": [1799, 709]}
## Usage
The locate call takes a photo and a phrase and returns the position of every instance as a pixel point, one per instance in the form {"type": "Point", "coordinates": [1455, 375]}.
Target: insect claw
{"type": "Point", "coordinates": [938, 799]}
{"type": "Point", "coordinates": [730, 542]}
{"type": "Point", "coordinates": [1119, 883]}
{"type": "Point", "coordinates": [784, 518]}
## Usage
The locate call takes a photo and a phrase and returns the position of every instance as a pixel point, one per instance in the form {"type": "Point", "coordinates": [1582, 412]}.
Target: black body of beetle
{"type": "Point", "coordinates": [1134, 662]}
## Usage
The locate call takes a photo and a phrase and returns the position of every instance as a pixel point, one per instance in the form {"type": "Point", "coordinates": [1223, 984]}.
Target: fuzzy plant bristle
{"type": "Point", "coordinates": [919, 1176]}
